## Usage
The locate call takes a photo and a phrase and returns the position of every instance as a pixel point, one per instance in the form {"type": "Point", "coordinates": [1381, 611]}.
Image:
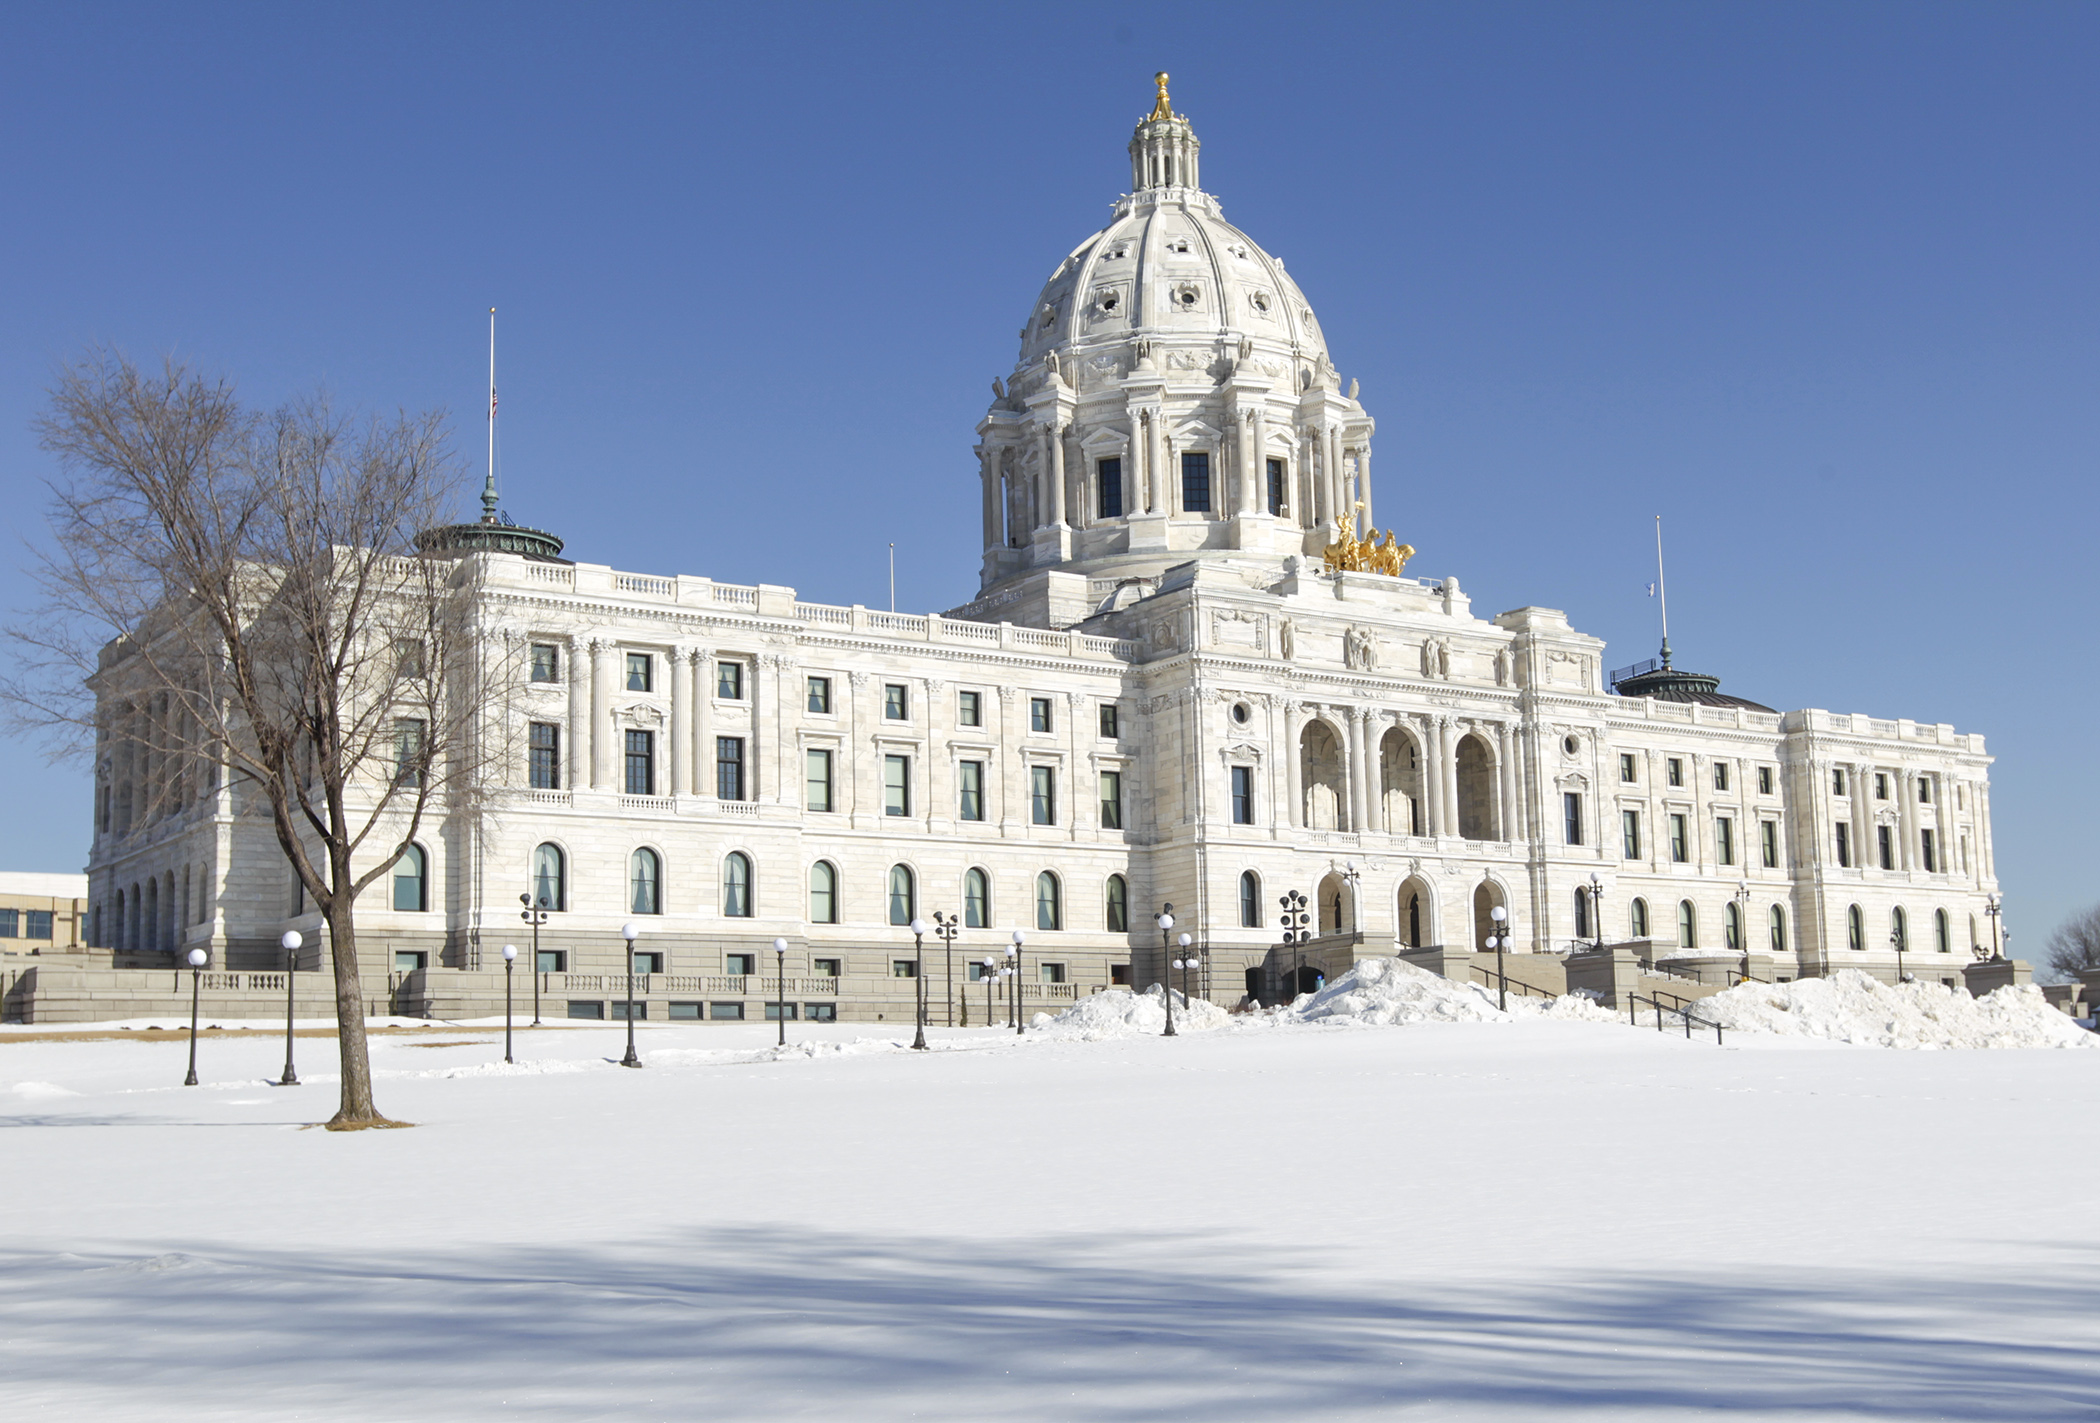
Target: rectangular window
{"type": "Point", "coordinates": [408, 751]}
{"type": "Point", "coordinates": [904, 968]}
{"type": "Point", "coordinates": [1881, 785]}
{"type": "Point", "coordinates": [1039, 714]}
{"type": "Point", "coordinates": [894, 704]}
{"type": "Point", "coordinates": [1242, 795]}
{"type": "Point", "coordinates": [969, 709]}
{"type": "Point", "coordinates": [546, 662]}
{"type": "Point", "coordinates": [775, 1011]}
{"type": "Point", "coordinates": [896, 785]}
{"type": "Point", "coordinates": [970, 791]}
{"type": "Point", "coordinates": [1571, 817]}
{"type": "Point", "coordinates": [648, 961]}
{"type": "Point", "coordinates": [1768, 837]}
{"type": "Point", "coordinates": [1837, 780]}
{"type": "Point", "coordinates": [1275, 487]}
{"type": "Point", "coordinates": [1629, 769]}
{"type": "Point", "coordinates": [1042, 795]}
{"type": "Point", "coordinates": [816, 766]}
{"type": "Point", "coordinates": [1764, 780]}
{"type": "Point", "coordinates": [1111, 484]}
{"type": "Point", "coordinates": [554, 960]}
{"type": "Point", "coordinates": [821, 1012]}
{"type": "Point", "coordinates": [1195, 483]}
{"type": "Point", "coordinates": [726, 1012]}
{"type": "Point", "coordinates": [1680, 842]}
{"type": "Point", "coordinates": [1630, 834]}
{"type": "Point", "coordinates": [410, 960]}
{"type": "Point", "coordinates": [10, 923]}
{"type": "Point", "coordinates": [1111, 800]}
{"type": "Point", "coordinates": [1676, 769]}
{"type": "Point", "coordinates": [586, 1010]}
{"type": "Point", "coordinates": [819, 703]}
{"type": "Point", "coordinates": [544, 752]}
{"type": "Point", "coordinates": [1885, 844]}
{"type": "Point", "coordinates": [729, 768]}
{"type": "Point", "coordinates": [1724, 841]}
{"type": "Point", "coordinates": [686, 1012]}
{"type": "Point", "coordinates": [408, 658]}
{"type": "Point", "coordinates": [641, 671]}
{"type": "Point", "coordinates": [37, 922]}
{"type": "Point", "coordinates": [729, 686]}
{"type": "Point", "coordinates": [1720, 775]}
{"type": "Point", "coordinates": [1924, 790]}
{"type": "Point", "coordinates": [641, 763]}
{"type": "Point", "coordinates": [1108, 721]}
{"type": "Point", "coordinates": [824, 968]}
{"type": "Point", "coordinates": [740, 965]}
{"type": "Point", "coordinates": [1050, 972]}
{"type": "Point", "coordinates": [1928, 854]}
{"type": "Point", "coordinates": [1844, 845]}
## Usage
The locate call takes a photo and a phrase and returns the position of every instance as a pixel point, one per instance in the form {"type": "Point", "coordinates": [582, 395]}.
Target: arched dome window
{"type": "Point", "coordinates": [645, 883]}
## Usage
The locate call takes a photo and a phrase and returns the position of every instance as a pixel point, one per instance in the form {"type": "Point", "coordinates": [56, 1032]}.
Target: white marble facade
{"type": "Point", "coordinates": [1365, 740]}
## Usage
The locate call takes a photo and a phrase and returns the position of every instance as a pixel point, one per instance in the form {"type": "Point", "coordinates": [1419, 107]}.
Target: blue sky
{"type": "Point", "coordinates": [1814, 282]}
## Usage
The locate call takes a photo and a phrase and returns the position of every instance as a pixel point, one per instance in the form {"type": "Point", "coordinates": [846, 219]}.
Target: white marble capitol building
{"type": "Point", "coordinates": [1162, 692]}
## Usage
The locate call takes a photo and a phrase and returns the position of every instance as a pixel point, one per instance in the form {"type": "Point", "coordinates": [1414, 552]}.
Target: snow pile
{"type": "Point", "coordinates": [1852, 1007]}
{"type": "Point", "coordinates": [1379, 992]}
{"type": "Point", "coordinates": [1574, 1008]}
{"type": "Point", "coordinates": [1119, 1013]}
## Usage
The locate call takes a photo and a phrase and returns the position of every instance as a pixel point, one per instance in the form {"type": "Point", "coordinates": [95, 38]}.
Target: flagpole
{"type": "Point", "coordinates": [1662, 589]}
{"type": "Point", "coordinates": [893, 578]}
{"type": "Point", "coordinates": [488, 490]}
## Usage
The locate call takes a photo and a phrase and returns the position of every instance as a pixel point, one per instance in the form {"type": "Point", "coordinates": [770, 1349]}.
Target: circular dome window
{"type": "Point", "coordinates": [1570, 745]}
{"type": "Point", "coordinates": [1240, 712]}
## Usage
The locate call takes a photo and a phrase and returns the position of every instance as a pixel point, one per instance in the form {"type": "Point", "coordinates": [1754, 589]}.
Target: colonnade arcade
{"type": "Point", "coordinates": [1430, 775]}
{"type": "Point", "coordinates": [1420, 918]}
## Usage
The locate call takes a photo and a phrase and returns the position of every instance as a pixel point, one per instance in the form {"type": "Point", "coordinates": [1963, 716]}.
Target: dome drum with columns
{"type": "Point", "coordinates": [1173, 398]}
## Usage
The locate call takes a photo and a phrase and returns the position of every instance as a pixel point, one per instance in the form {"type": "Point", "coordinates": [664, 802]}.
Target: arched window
{"type": "Point", "coordinates": [977, 899]}
{"type": "Point", "coordinates": [1049, 904]}
{"type": "Point", "coordinates": [904, 896]}
{"type": "Point", "coordinates": [1734, 925]}
{"type": "Point", "coordinates": [1778, 929]}
{"type": "Point", "coordinates": [1942, 931]}
{"type": "Point", "coordinates": [1582, 914]}
{"type": "Point", "coordinates": [1414, 921]}
{"type": "Point", "coordinates": [1899, 929]}
{"type": "Point", "coordinates": [1118, 905]}
{"type": "Point", "coordinates": [1855, 928]}
{"type": "Point", "coordinates": [736, 885]}
{"type": "Point", "coordinates": [1687, 925]}
{"type": "Point", "coordinates": [1250, 900]}
{"type": "Point", "coordinates": [1637, 914]}
{"type": "Point", "coordinates": [645, 883]}
{"type": "Point", "coordinates": [823, 893]}
{"type": "Point", "coordinates": [550, 878]}
{"type": "Point", "coordinates": [411, 881]}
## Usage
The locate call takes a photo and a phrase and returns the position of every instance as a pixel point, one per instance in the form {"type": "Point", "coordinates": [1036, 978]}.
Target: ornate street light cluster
{"type": "Point", "coordinates": [1499, 942]}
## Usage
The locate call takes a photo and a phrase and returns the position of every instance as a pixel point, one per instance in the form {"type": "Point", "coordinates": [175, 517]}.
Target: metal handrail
{"type": "Point", "coordinates": [1634, 1000]}
{"type": "Point", "coordinates": [1488, 977]}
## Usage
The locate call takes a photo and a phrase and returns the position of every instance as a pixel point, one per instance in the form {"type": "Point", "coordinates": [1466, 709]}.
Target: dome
{"type": "Point", "coordinates": [1173, 397]}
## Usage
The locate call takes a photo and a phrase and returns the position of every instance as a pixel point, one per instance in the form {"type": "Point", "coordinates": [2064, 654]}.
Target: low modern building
{"type": "Point", "coordinates": [41, 913]}
{"type": "Point", "coordinates": [1189, 676]}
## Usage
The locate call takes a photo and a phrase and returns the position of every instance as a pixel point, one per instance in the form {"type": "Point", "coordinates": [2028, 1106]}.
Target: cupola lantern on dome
{"type": "Point", "coordinates": [1163, 151]}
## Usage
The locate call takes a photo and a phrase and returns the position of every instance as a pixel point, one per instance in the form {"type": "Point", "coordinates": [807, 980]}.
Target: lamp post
{"type": "Point", "coordinates": [197, 957]}
{"type": "Point", "coordinates": [535, 915]}
{"type": "Point", "coordinates": [1742, 926]}
{"type": "Point", "coordinates": [1597, 910]}
{"type": "Point", "coordinates": [946, 927]}
{"type": "Point", "coordinates": [1014, 952]}
{"type": "Point", "coordinates": [1994, 906]}
{"type": "Point", "coordinates": [1297, 920]}
{"type": "Point", "coordinates": [780, 988]}
{"type": "Point", "coordinates": [291, 942]}
{"type": "Point", "coordinates": [510, 962]}
{"type": "Point", "coordinates": [990, 975]}
{"type": "Point", "coordinates": [1185, 962]}
{"type": "Point", "coordinates": [1166, 983]}
{"type": "Point", "coordinates": [918, 940]}
{"type": "Point", "coordinates": [1499, 942]}
{"type": "Point", "coordinates": [630, 932]}
{"type": "Point", "coordinates": [1896, 937]}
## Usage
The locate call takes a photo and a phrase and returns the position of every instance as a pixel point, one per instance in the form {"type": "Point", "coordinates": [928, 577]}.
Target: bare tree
{"type": "Point", "coordinates": [2074, 945]}
{"type": "Point", "coordinates": [241, 592]}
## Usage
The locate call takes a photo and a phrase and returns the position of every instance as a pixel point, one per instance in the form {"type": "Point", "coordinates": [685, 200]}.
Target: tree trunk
{"type": "Point", "coordinates": [356, 1109]}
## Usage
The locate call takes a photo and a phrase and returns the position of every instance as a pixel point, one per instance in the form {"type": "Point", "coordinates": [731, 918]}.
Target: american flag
{"type": "Point", "coordinates": [492, 402]}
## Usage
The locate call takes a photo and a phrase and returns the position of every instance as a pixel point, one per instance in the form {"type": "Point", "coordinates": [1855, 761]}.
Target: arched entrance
{"type": "Point", "coordinates": [1415, 921]}
{"type": "Point", "coordinates": [1486, 898]}
{"type": "Point", "coordinates": [1337, 904]}
{"type": "Point", "coordinates": [1476, 789]}
{"type": "Point", "coordinates": [1324, 776]}
{"type": "Point", "coordinates": [1400, 784]}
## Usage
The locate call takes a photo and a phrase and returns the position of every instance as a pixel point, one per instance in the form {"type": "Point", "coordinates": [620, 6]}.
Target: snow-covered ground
{"type": "Point", "coordinates": [1455, 1215]}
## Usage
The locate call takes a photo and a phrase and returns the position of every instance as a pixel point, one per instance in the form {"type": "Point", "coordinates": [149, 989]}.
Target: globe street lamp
{"type": "Point", "coordinates": [291, 942]}
{"type": "Point", "coordinates": [990, 975]}
{"type": "Point", "coordinates": [946, 927]}
{"type": "Point", "coordinates": [918, 940]}
{"type": "Point", "coordinates": [1014, 952]}
{"type": "Point", "coordinates": [535, 915]}
{"type": "Point", "coordinates": [1297, 921]}
{"type": "Point", "coordinates": [1994, 906]}
{"type": "Point", "coordinates": [510, 961]}
{"type": "Point", "coordinates": [197, 957]}
{"type": "Point", "coordinates": [780, 987]}
{"type": "Point", "coordinates": [1166, 984]}
{"type": "Point", "coordinates": [1596, 893]}
{"type": "Point", "coordinates": [1185, 962]}
{"type": "Point", "coordinates": [630, 932]}
{"type": "Point", "coordinates": [1499, 942]}
{"type": "Point", "coordinates": [1896, 937]}
{"type": "Point", "coordinates": [1742, 926]}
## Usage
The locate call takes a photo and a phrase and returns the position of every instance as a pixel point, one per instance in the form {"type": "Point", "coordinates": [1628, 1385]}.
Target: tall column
{"type": "Point", "coordinates": [1338, 486]}
{"type": "Point", "coordinates": [602, 754]}
{"type": "Point", "coordinates": [1316, 476]}
{"type": "Point", "coordinates": [988, 476]}
{"type": "Point", "coordinates": [1505, 783]}
{"type": "Point", "coordinates": [1258, 432]}
{"type": "Point", "coordinates": [1367, 770]}
{"type": "Point", "coordinates": [1054, 463]}
{"type": "Point", "coordinates": [1170, 475]}
{"type": "Point", "coordinates": [681, 720]}
{"type": "Point", "coordinates": [1294, 769]}
{"type": "Point", "coordinates": [578, 732]}
{"type": "Point", "coordinates": [1155, 475]}
{"type": "Point", "coordinates": [698, 670]}
{"type": "Point", "coordinates": [1363, 477]}
{"type": "Point", "coordinates": [1448, 736]}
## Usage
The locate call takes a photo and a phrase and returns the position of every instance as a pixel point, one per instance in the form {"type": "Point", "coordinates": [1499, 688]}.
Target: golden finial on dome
{"type": "Point", "coordinates": [1162, 109]}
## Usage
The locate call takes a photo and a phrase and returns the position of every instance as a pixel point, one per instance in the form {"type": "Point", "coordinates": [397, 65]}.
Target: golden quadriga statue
{"type": "Point", "coordinates": [1350, 554]}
